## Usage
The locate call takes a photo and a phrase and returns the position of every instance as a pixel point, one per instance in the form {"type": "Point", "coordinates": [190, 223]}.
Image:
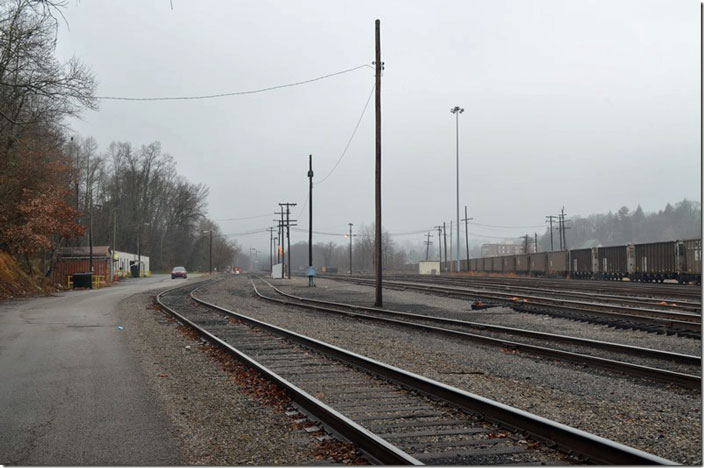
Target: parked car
{"type": "Point", "coordinates": [178, 272]}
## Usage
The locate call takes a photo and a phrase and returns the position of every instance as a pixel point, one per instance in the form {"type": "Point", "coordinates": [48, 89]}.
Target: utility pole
{"type": "Point", "coordinates": [427, 246]}
{"type": "Point", "coordinates": [466, 232]}
{"type": "Point", "coordinates": [90, 240]}
{"type": "Point", "coordinates": [379, 66]}
{"type": "Point", "coordinates": [450, 264]}
{"type": "Point", "coordinates": [549, 219]}
{"type": "Point", "coordinates": [281, 240]}
{"type": "Point", "coordinates": [310, 224]}
{"type": "Point", "coordinates": [525, 244]}
{"type": "Point", "coordinates": [457, 111]}
{"type": "Point", "coordinates": [439, 228]}
{"type": "Point", "coordinates": [288, 234]}
{"type": "Point", "coordinates": [350, 224]}
{"type": "Point", "coordinates": [536, 242]}
{"type": "Point", "coordinates": [444, 240]}
{"type": "Point", "coordinates": [564, 228]}
{"type": "Point", "coordinates": [210, 254]}
{"type": "Point", "coordinates": [271, 243]}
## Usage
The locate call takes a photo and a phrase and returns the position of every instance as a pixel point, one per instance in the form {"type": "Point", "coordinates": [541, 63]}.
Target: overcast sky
{"type": "Point", "coordinates": [588, 104]}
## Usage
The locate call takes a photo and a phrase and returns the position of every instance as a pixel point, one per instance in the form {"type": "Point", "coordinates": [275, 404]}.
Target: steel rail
{"type": "Point", "coordinates": [617, 298]}
{"type": "Point", "coordinates": [605, 345]}
{"type": "Point", "coordinates": [372, 445]}
{"type": "Point", "coordinates": [674, 290]}
{"type": "Point", "coordinates": [536, 299]}
{"type": "Point", "coordinates": [679, 378]}
{"type": "Point", "coordinates": [596, 448]}
{"type": "Point", "coordinates": [546, 304]}
{"type": "Point", "coordinates": [626, 287]}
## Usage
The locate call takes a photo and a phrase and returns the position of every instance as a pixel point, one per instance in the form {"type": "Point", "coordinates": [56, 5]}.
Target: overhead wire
{"type": "Point", "coordinates": [354, 132]}
{"type": "Point", "coordinates": [235, 93]}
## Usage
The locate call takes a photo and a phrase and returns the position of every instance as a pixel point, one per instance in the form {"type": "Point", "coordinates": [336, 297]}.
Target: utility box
{"type": "Point", "coordinates": [277, 271]}
{"type": "Point", "coordinates": [429, 268]}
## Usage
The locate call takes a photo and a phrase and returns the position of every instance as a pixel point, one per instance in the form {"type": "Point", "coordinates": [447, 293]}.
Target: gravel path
{"type": "Point", "coordinates": [219, 416]}
{"type": "Point", "coordinates": [648, 416]}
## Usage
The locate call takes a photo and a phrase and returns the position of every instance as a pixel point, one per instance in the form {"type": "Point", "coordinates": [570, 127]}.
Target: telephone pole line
{"type": "Point", "coordinates": [525, 243]}
{"type": "Point", "coordinates": [427, 246]}
{"type": "Point", "coordinates": [379, 66]}
{"type": "Point", "coordinates": [466, 233]}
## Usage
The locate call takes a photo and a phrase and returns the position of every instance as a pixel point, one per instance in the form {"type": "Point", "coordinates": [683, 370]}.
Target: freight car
{"type": "Point", "coordinates": [691, 270]}
{"type": "Point", "coordinates": [538, 264]}
{"type": "Point", "coordinates": [611, 262]}
{"type": "Point", "coordinates": [558, 263]}
{"type": "Point", "coordinates": [657, 261]}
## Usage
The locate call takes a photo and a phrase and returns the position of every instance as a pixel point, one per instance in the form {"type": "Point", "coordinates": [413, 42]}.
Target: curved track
{"type": "Point", "coordinates": [394, 416]}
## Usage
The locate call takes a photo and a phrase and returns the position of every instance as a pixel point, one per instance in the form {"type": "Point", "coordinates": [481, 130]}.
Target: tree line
{"type": "Point", "coordinates": [137, 202]}
{"type": "Point", "coordinates": [53, 187]}
{"type": "Point", "coordinates": [681, 221]}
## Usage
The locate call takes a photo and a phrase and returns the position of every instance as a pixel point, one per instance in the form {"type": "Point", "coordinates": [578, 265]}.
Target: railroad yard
{"type": "Point", "coordinates": [632, 381]}
{"type": "Point", "coordinates": [195, 269]}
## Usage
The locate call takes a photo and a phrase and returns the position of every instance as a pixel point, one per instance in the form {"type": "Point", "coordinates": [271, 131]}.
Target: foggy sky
{"type": "Point", "coordinates": [588, 104]}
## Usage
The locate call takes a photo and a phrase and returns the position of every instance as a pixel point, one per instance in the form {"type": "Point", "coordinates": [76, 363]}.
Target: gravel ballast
{"type": "Point", "coordinates": [220, 414]}
{"type": "Point", "coordinates": [648, 416]}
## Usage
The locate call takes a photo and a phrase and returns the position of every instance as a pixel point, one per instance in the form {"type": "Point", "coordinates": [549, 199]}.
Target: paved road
{"type": "Point", "coordinates": [70, 391]}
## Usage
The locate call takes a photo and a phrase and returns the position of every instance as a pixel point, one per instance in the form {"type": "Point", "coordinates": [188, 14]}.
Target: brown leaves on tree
{"type": "Point", "coordinates": [35, 214]}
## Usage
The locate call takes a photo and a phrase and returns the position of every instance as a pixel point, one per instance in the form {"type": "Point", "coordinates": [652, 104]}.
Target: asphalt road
{"type": "Point", "coordinates": [70, 390]}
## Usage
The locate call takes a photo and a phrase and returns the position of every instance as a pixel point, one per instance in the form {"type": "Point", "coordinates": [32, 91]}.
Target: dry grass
{"type": "Point", "coordinates": [14, 282]}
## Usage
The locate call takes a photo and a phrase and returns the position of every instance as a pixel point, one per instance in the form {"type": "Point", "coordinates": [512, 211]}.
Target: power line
{"type": "Point", "coordinates": [258, 231]}
{"type": "Point", "coordinates": [236, 93]}
{"type": "Point", "coordinates": [242, 219]}
{"type": "Point", "coordinates": [506, 227]}
{"type": "Point", "coordinates": [351, 137]}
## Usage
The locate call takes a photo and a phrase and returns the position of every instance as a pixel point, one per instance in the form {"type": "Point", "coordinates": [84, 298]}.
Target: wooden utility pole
{"type": "Point", "coordinates": [271, 244]}
{"type": "Point", "coordinates": [310, 221]}
{"type": "Point", "coordinates": [536, 242]}
{"type": "Point", "coordinates": [466, 232]}
{"type": "Point", "coordinates": [288, 234]}
{"type": "Point", "coordinates": [564, 229]}
{"type": "Point", "coordinates": [444, 240]}
{"type": "Point", "coordinates": [427, 246]}
{"type": "Point", "coordinates": [451, 256]}
{"type": "Point", "coordinates": [350, 247]}
{"type": "Point", "coordinates": [549, 219]}
{"type": "Point", "coordinates": [439, 228]}
{"type": "Point", "coordinates": [379, 66]}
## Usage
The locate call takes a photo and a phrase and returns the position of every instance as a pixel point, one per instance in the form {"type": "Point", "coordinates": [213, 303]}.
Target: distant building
{"type": "Point", "coordinates": [73, 260]}
{"type": "Point", "coordinates": [501, 250]}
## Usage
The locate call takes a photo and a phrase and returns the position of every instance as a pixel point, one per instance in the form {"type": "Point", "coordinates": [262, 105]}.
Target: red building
{"type": "Point", "coordinates": [72, 260]}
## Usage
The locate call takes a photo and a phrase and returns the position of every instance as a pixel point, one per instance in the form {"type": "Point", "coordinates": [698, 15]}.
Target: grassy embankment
{"type": "Point", "coordinates": [14, 282]}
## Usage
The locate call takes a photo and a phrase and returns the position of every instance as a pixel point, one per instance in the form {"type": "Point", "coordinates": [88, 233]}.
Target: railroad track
{"type": "Point", "coordinates": [684, 370]}
{"type": "Point", "coordinates": [661, 292]}
{"type": "Point", "coordinates": [394, 416]}
{"type": "Point", "coordinates": [680, 323]}
{"type": "Point", "coordinates": [658, 303]}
